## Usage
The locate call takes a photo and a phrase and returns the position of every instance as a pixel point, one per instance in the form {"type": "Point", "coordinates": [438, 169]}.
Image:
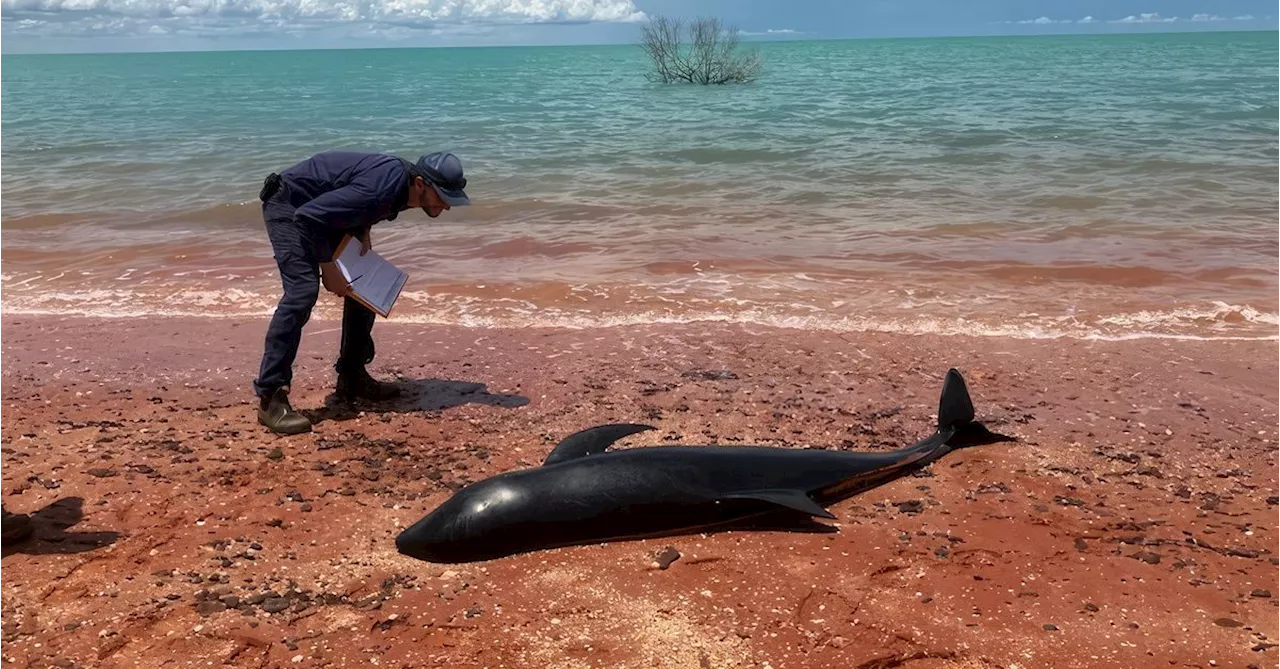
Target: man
{"type": "Point", "coordinates": [308, 208]}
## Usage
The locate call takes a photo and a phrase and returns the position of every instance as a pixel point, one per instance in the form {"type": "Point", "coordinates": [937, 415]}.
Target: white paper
{"type": "Point", "coordinates": [374, 280]}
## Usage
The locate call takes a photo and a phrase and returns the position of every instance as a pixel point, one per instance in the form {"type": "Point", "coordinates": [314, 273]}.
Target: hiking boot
{"type": "Point", "coordinates": [276, 413]}
{"type": "Point", "coordinates": [15, 527]}
{"type": "Point", "coordinates": [357, 384]}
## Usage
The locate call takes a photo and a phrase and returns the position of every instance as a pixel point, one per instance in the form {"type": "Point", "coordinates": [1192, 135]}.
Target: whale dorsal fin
{"type": "Point", "coordinates": [592, 440]}
{"type": "Point", "coordinates": [955, 408]}
{"type": "Point", "coordinates": [790, 498]}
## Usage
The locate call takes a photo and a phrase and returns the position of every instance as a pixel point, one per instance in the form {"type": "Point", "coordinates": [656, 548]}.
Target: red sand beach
{"type": "Point", "coordinates": [1133, 523]}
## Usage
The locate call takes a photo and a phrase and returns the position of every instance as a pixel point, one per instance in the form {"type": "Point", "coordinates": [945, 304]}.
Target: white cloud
{"type": "Point", "coordinates": [1148, 17]}
{"type": "Point", "coordinates": [773, 31]}
{"type": "Point", "coordinates": [213, 17]}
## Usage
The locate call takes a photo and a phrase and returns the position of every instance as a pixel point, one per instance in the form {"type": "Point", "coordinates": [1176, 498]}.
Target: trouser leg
{"type": "Point", "coordinates": [356, 349]}
{"type": "Point", "coordinates": [300, 279]}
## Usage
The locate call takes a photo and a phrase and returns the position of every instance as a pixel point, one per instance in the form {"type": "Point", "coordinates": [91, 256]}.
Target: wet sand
{"type": "Point", "coordinates": [1132, 524]}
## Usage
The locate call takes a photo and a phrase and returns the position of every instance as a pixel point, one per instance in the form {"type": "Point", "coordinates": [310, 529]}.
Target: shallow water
{"type": "Point", "coordinates": [1106, 187]}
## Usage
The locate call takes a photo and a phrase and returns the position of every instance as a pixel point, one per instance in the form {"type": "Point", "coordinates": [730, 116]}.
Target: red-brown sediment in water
{"type": "Point", "coordinates": [1133, 524]}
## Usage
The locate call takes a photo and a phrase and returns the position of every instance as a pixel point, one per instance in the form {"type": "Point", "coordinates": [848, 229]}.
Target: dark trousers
{"type": "Point", "coordinates": [300, 277]}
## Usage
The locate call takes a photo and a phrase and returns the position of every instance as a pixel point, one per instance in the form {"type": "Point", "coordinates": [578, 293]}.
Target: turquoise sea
{"type": "Point", "coordinates": [1085, 186]}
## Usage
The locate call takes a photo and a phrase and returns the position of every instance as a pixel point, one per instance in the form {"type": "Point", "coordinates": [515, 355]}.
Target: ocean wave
{"type": "Point", "coordinates": [1217, 322]}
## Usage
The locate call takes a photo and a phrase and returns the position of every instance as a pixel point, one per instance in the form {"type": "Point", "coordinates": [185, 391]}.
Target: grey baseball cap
{"type": "Point", "coordinates": [443, 171]}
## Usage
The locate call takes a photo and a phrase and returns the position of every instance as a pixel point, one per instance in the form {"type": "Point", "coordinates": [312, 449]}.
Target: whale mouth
{"type": "Point", "coordinates": [421, 540]}
{"type": "Point", "coordinates": [407, 544]}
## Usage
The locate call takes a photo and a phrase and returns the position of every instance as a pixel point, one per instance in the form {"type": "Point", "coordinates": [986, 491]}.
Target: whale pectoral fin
{"type": "Point", "coordinates": [792, 499]}
{"type": "Point", "coordinates": [592, 440]}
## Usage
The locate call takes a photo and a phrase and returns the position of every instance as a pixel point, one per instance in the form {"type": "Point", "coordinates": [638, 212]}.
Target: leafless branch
{"type": "Point", "coordinates": [710, 56]}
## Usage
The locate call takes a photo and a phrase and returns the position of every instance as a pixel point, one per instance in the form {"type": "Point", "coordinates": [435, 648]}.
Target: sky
{"type": "Point", "coordinates": [43, 26]}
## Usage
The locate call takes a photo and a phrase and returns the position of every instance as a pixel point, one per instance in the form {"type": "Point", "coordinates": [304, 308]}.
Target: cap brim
{"type": "Point", "coordinates": [454, 198]}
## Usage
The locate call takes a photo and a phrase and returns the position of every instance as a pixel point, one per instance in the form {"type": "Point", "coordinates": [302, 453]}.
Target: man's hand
{"type": "Point", "coordinates": [333, 280]}
{"type": "Point", "coordinates": [366, 244]}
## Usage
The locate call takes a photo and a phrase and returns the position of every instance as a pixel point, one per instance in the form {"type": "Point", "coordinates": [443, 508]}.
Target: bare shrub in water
{"type": "Point", "coordinates": [709, 57]}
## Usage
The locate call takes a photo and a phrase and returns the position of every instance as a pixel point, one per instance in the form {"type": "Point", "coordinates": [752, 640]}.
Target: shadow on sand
{"type": "Point", "coordinates": [416, 395]}
{"type": "Point", "coordinates": [50, 535]}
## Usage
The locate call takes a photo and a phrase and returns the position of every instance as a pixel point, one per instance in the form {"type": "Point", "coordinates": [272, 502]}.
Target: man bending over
{"type": "Point", "coordinates": [308, 208]}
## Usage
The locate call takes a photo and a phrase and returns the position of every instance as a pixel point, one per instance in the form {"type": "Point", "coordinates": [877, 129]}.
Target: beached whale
{"type": "Point", "coordinates": [582, 494]}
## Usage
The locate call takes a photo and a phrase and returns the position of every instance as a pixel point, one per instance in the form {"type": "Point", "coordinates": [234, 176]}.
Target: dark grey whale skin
{"type": "Point", "coordinates": [582, 494]}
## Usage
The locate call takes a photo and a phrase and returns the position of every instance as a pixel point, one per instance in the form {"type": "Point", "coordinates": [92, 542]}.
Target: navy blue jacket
{"type": "Point", "coordinates": [338, 192]}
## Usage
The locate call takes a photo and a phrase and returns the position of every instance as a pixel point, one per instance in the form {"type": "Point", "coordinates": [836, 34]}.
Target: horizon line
{"type": "Point", "coordinates": [760, 39]}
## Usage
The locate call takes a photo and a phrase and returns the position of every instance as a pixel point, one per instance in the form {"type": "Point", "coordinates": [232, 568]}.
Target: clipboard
{"type": "Point", "coordinates": [375, 282]}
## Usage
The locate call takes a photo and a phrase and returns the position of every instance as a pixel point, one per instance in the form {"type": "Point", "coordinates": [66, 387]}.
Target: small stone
{"type": "Point", "coordinates": [275, 454]}
{"type": "Point", "coordinates": [1227, 622]}
{"type": "Point", "coordinates": [942, 551]}
{"type": "Point", "coordinates": [101, 472]}
{"type": "Point", "coordinates": [297, 658]}
{"type": "Point", "coordinates": [1273, 500]}
{"type": "Point", "coordinates": [1050, 627]}
{"type": "Point", "coordinates": [1147, 557]}
{"type": "Point", "coordinates": [1081, 544]}
{"type": "Point", "coordinates": [275, 522]}
{"type": "Point", "coordinates": [1091, 607]}
{"type": "Point", "coordinates": [666, 556]}
{"type": "Point", "coordinates": [1262, 594]}
{"type": "Point", "coordinates": [910, 507]}
{"type": "Point", "coordinates": [711, 375]}
{"type": "Point", "coordinates": [1069, 501]}
{"type": "Point", "coordinates": [473, 612]}
{"type": "Point", "coordinates": [306, 506]}
{"type": "Point", "coordinates": [230, 601]}
{"type": "Point", "coordinates": [209, 607]}
{"type": "Point", "coordinates": [275, 604]}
